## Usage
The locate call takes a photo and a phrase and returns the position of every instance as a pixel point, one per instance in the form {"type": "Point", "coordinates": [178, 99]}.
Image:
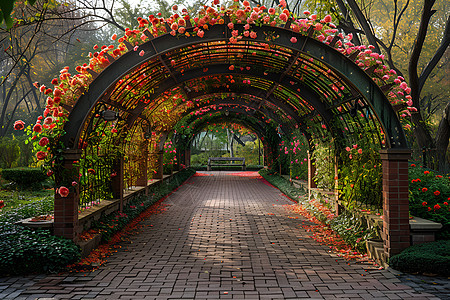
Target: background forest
{"type": "Point", "coordinates": [38, 38]}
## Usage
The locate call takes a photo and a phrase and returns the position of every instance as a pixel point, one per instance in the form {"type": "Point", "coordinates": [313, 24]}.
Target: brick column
{"type": "Point", "coordinates": [311, 172]}
{"type": "Point", "coordinates": [142, 180]}
{"type": "Point", "coordinates": [159, 169]}
{"type": "Point", "coordinates": [396, 233]}
{"type": "Point", "coordinates": [117, 181]}
{"type": "Point", "coordinates": [187, 157]}
{"type": "Point", "coordinates": [66, 208]}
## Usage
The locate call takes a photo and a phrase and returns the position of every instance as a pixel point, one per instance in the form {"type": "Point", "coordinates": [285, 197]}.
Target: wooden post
{"type": "Point", "coordinates": [396, 233]}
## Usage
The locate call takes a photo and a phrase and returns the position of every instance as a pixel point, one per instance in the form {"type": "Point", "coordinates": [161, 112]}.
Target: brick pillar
{"type": "Point", "coordinates": [66, 208]}
{"type": "Point", "coordinates": [311, 172]}
{"type": "Point", "coordinates": [117, 181]}
{"type": "Point", "coordinates": [142, 180]}
{"type": "Point", "coordinates": [396, 233]}
{"type": "Point", "coordinates": [159, 166]}
{"type": "Point", "coordinates": [187, 157]}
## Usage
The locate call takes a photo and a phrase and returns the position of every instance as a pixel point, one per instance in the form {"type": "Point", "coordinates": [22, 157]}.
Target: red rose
{"type": "Point", "coordinates": [437, 206]}
{"type": "Point", "coordinates": [41, 155]}
{"type": "Point", "coordinates": [424, 203]}
{"type": "Point", "coordinates": [63, 191]}
{"type": "Point", "coordinates": [48, 120]}
{"type": "Point", "coordinates": [424, 189]}
{"type": "Point", "coordinates": [413, 165]}
{"type": "Point", "coordinates": [37, 128]}
{"type": "Point", "coordinates": [19, 125]}
{"type": "Point", "coordinates": [437, 193]}
{"type": "Point", "coordinates": [43, 142]}
{"type": "Point", "coordinates": [426, 172]}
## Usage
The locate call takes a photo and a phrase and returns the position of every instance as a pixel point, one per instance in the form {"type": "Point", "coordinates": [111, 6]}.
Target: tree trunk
{"type": "Point", "coordinates": [442, 140]}
{"type": "Point", "coordinates": [422, 133]}
{"type": "Point", "coordinates": [364, 24]}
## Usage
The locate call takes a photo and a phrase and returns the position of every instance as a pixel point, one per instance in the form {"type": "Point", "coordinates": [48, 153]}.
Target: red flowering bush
{"type": "Point", "coordinates": [429, 195]}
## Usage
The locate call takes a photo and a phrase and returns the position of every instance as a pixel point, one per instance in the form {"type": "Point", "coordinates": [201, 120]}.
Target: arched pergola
{"type": "Point", "coordinates": [278, 76]}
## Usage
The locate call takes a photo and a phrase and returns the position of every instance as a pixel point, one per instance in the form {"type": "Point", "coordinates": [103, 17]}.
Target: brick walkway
{"type": "Point", "coordinates": [222, 237]}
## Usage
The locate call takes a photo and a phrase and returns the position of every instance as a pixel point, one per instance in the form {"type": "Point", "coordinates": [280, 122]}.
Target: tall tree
{"type": "Point", "coordinates": [416, 32]}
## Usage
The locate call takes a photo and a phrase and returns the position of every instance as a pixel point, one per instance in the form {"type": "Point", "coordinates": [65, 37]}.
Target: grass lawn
{"type": "Point", "coordinates": [14, 199]}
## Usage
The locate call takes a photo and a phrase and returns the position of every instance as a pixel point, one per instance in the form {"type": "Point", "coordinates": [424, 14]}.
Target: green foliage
{"type": "Point", "coordinates": [360, 177]}
{"type": "Point", "coordinates": [282, 184]}
{"type": "Point", "coordinates": [293, 155]}
{"type": "Point", "coordinates": [169, 157]}
{"type": "Point", "coordinates": [354, 230]}
{"type": "Point", "coordinates": [26, 251]}
{"type": "Point", "coordinates": [429, 197]}
{"type": "Point", "coordinates": [9, 152]}
{"type": "Point", "coordinates": [425, 258]}
{"type": "Point", "coordinates": [113, 223]}
{"type": "Point", "coordinates": [323, 157]}
{"type": "Point", "coordinates": [25, 178]}
{"type": "Point", "coordinates": [25, 204]}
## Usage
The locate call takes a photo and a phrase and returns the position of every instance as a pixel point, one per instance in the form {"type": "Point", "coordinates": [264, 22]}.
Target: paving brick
{"type": "Point", "coordinates": [223, 236]}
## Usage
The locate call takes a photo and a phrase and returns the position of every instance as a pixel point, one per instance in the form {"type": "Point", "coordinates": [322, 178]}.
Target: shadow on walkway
{"type": "Point", "coordinates": [225, 235]}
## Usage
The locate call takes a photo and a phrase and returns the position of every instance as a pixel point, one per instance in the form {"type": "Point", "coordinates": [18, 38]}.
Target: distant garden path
{"type": "Point", "coordinates": [223, 235]}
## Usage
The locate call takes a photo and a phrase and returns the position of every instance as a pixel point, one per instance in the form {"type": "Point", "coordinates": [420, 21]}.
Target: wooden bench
{"type": "Point", "coordinates": [233, 161]}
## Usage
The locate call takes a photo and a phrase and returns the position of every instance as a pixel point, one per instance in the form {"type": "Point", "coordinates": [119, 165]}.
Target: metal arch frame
{"type": "Point", "coordinates": [286, 129]}
{"type": "Point", "coordinates": [257, 126]}
{"type": "Point", "coordinates": [236, 111]}
{"type": "Point", "coordinates": [229, 101]}
{"type": "Point", "coordinates": [340, 64]}
{"type": "Point", "coordinates": [305, 91]}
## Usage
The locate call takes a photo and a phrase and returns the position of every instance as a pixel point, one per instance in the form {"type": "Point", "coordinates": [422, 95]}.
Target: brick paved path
{"type": "Point", "coordinates": [223, 237]}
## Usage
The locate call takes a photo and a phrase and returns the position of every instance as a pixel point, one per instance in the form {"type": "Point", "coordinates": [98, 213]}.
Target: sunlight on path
{"type": "Point", "coordinates": [224, 235]}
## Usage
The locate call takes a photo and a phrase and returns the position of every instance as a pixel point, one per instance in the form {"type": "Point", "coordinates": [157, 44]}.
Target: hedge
{"type": "Point", "coordinates": [25, 177]}
{"type": "Point", "coordinates": [431, 258]}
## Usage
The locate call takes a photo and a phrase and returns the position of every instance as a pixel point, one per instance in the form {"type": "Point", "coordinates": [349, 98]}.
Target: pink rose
{"type": "Point", "coordinates": [63, 191]}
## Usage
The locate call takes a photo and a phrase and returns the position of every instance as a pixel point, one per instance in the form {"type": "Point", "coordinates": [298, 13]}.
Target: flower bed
{"type": "Point", "coordinates": [429, 197]}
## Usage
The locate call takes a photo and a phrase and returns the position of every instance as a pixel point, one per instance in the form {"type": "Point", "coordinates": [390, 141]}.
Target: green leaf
{"type": "Point", "coordinates": [6, 8]}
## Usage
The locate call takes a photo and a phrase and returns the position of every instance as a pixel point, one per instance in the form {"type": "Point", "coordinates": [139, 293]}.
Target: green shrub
{"type": "Point", "coordinates": [425, 258]}
{"type": "Point", "coordinates": [429, 197]}
{"type": "Point", "coordinates": [24, 251]}
{"type": "Point", "coordinates": [27, 178]}
{"type": "Point", "coordinates": [9, 152]}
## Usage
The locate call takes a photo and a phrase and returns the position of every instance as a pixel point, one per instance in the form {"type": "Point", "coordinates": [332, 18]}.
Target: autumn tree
{"type": "Point", "coordinates": [414, 36]}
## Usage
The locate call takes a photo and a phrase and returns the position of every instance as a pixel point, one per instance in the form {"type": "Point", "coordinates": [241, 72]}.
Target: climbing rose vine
{"type": "Point", "coordinates": [240, 18]}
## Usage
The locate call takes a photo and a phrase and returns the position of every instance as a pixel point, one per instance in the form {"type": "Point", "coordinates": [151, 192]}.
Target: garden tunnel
{"type": "Point", "coordinates": [273, 81]}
